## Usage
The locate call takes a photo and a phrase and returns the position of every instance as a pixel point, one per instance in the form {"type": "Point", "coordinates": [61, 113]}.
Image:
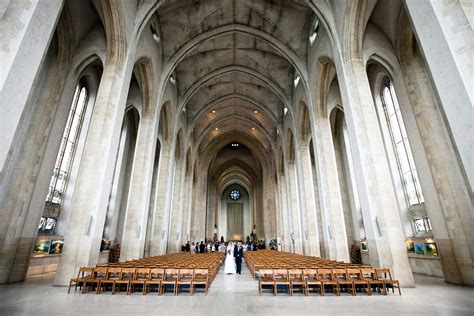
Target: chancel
{"type": "Point", "coordinates": [230, 148]}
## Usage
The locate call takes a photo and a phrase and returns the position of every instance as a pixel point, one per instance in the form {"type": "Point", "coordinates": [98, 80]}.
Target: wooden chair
{"type": "Point", "coordinates": [355, 276]}
{"type": "Point", "coordinates": [281, 278]}
{"type": "Point", "coordinates": [127, 275]}
{"type": "Point", "coordinates": [340, 276]}
{"type": "Point", "coordinates": [201, 277]}
{"type": "Point", "coordinates": [311, 278]}
{"type": "Point", "coordinates": [185, 277]}
{"type": "Point", "coordinates": [171, 278]}
{"type": "Point", "coordinates": [113, 274]}
{"type": "Point", "coordinates": [265, 277]}
{"type": "Point", "coordinates": [141, 276]}
{"type": "Point", "coordinates": [295, 277]}
{"type": "Point", "coordinates": [384, 275]}
{"type": "Point", "coordinates": [370, 276]}
{"type": "Point", "coordinates": [326, 278]}
{"type": "Point", "coordinates": [156, 276]}
{"type": "Point", "coordinates": [100, 273]}
{"type": "Point", "coordinates": [84, 274]}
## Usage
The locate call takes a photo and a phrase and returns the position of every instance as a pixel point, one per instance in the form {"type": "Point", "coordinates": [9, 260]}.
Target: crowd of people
{"type": "Point", "coordinates": [203, 247]}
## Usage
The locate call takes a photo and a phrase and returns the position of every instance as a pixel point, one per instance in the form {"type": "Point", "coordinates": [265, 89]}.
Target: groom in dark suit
{"type": "Point", "coordinates": [238, 255]}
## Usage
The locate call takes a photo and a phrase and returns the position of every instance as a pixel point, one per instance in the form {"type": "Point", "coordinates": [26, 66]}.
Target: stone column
{"type": "Point", "coordinates": [176, 208]}
{"type": "Point", "coordinates": [377, 197]}
{"type": "Point", "coordinates": [311, 227]}
{"type": "Point", "coordinates": [162, 202]}
{"type": "Point", "coordinates": [296, 238]}
{"type": "Point", "coordinates": [94, 180]}
{"type": "Point", "coordinates": [334, 231]}
{"type": "Point", "coordinates": [198, 216]}
{"type": "Point", "coordinates": [27, 30]}
{"type": "Point", "coordinates": [136, 216]}
{"type": "Point", "coordinates": [284, 214]}
{"type": "Point", "coordinates": [188, 194]}
{"type": "Point", "coordinates": [450, 208]}
{"type": "Point", "coordinates": [446, 36]}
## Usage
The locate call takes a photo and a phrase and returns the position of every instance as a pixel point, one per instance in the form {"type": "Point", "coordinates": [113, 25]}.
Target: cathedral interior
{"type": "Point", "coordinates": [338, 129]}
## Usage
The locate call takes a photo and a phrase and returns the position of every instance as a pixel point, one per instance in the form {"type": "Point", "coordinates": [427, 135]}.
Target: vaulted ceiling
{"type": "Point", "coordinates": [232, 70]}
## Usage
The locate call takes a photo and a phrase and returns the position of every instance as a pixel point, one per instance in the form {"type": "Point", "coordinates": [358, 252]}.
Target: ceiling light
{"type": "Point", "coordinates": [256, 112]}
{"type": "Point", "coordinates": [213, 111]}
{"type": "Point", "coordinates": [217, 128]}
{"type": "Point", "coordinates": [253, 128]}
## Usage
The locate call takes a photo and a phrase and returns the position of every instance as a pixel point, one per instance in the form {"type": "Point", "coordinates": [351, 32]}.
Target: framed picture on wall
{"type": "Point", "coordinates": [431, 249]}
{"type": "Point", "coordinates": [56, 246]}
{"type": "Point", "coordinates": [410, 246]}
{"type": "Point", "coordinates": [420, 249]}
{"type": "Point", "coordinates": [41, 247]}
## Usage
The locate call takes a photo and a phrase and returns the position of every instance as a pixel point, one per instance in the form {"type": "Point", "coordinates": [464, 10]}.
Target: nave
{"type": "Point", "coordinates": [232, 295]}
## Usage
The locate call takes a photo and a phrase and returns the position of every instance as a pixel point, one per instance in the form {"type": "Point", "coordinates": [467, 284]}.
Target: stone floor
{"type": "Point", "coordinates": [234, 295]}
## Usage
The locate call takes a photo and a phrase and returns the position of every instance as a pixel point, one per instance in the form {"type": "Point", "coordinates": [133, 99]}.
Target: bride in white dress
{"type": "Point", "coordinates": [229, 267]}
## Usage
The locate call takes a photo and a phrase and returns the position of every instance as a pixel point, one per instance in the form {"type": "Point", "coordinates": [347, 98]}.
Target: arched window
{"type": "Point", "coordinates": [314, 30]}
{"type": "Point", "coordinates": [398, 134]}
{"type": "Point", "coordinates": [65, 156]}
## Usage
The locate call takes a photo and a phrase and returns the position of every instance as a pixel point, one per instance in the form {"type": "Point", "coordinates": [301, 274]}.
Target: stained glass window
{"type": "Point", "coordinates": [235, 195]}
{"type": "Point", "coordinates": [398, 134]}
{"type": "Point", "coordinates": [65, 156]}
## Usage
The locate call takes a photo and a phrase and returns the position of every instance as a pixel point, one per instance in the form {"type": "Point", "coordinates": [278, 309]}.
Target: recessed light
{"type": "Point", "coordinates": [256, 112]}
{"type": "Point", "coordinates": [253, 128]}
{"type": "Point", "coordinates": [217, 128]}
{"type": "Point", "coordinates": [213, 111]}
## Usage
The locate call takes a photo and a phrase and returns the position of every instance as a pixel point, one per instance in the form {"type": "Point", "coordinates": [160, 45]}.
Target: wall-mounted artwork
{"type": "Point", "coordinates": [56, 246]}
{"type": "Point", "coordinates": [41, 247]}
{"type": "Point", "coordinates": [420, 249]}
{"type": "Point", "coordinates": [410, 246]}
{"type": "Point", "coordinates": [431, 249]}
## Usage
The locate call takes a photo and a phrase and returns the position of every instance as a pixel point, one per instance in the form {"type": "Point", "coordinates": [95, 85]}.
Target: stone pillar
{"type": "Point", "coordinates": [377, 197]}
{"type": "Point", "coordinates": [162, 202]}
{"type": "Point", "coordinates": [445, 34]}
{"type": "Point", "coordinates": [311, 227]}
{"type": "Point", "coordinates": [296, 238]}
{"type": "Point", "coordinates": [198, 216]}
{"type": "Point", "coordinates": [27, 30]}
{"type": "Point", "coordinates": [176, 208]}
{"type": "Point", "coordinates": [188, 197]}
{"type": "Point", "coordinates": [136, 216]}
{"type": "Point", "coordinates": [334, 231]}
{"type": "Point", "coordinates": [94, 180]}
{"type": "Point", "coordinates": [450, 209]}
{"type": "Point", "coordinates": [284, 214]}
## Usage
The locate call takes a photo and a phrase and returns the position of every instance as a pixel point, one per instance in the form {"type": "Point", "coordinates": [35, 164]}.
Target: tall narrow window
{"type": "Point", "coordinates": [314, 30]}
{"type": "Point", "coordinates": [65, 156]}
{"type": "Point", "coordinates": [406, 164]}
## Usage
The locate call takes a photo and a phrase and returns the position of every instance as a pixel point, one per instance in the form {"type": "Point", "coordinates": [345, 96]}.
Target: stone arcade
{"type": "Point", "coordinates": [330, 125]}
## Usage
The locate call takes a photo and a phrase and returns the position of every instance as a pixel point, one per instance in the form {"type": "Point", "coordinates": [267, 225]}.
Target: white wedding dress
{"type": "Point", "coordinates": [229, 260]}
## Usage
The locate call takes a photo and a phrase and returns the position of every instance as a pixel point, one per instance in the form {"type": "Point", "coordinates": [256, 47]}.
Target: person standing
{"type": "Point", "coordinates": [202, 247]}
{"type": "Point", "coordinates": [229, 267]}
{"type": "Point", "coordinates": [238, 254]}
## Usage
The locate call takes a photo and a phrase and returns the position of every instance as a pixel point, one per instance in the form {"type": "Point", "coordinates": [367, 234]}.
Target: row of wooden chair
{"type": "Point", "coordinates": [366, 279]}
{"type": "Point", "coordinates": [115, 277]}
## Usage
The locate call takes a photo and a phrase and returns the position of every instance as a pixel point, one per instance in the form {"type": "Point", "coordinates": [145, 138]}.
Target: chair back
{"type": "Point", "coordinates": [142, 274]}
{"type": "Point", "coordinates": [295, 274]}
{"type": "Point", "coordinates": [310, 274]}
{"type": "Point", "coordinates": [186, 274]}
{"type": "Point", "coordinates": [354, 274]}
{"type": "Point", "coordinates": [100, 272]}
{"type": "Point", "coordinates": [157, 274]}
{"type": "Point", "coordinates": [265, 274]}
{"type": "Point", "coordinates": [114, 273]}
{"type": "Point", "coordinates": [325, 274]}
{"type": "Point", "coordinates": [127, 274]}
{"type": "Point", "coordinates": [85, 273]}
{"type": "Point", "coordinates": [280, 274]}
{"type": "Point", "coordinates": [201, 275]}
